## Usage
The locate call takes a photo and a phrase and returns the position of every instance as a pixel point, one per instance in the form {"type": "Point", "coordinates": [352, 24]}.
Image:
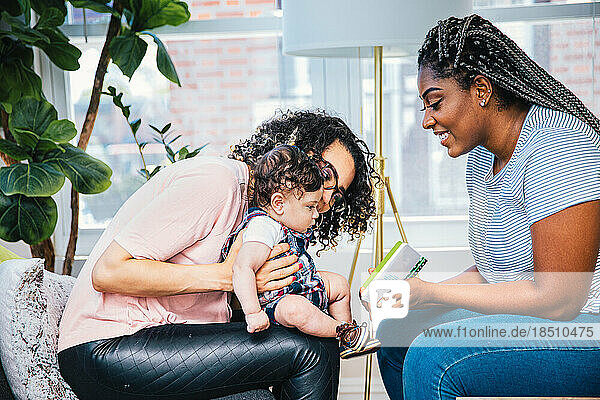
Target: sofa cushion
{"type": "Point", "coordinates": [32, 301]}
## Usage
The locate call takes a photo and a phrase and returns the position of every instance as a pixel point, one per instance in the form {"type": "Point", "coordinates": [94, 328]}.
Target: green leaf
{"type": "Point", "coordinates": [144, 173]}
{"type": "Point", "coordinates": [40, 5]}
{"type": "Point", "coordinates": [112, 91]}
{"type": "Point", "coordinates": [163, 60]}
{"type": "Point", "coordinates": [20, 9]}
{"type": "Point", "coordinates": [31, 219]}
{"type": "Point", "coordinates": [22, 28]}
{"type": "Point", "coordinates": [63, 54]}
{"type": "Point", "coordinates": [87, 174]}
{"type": "Point", "coordinates": [50, 18]}
{"type": "Point", "coordinates": [34, 179]}
{"type": "Point", "coordinates": [31, 115]}
{"type": "Point", "coordinates": [127, 51]}
{"type": "Point", "coordinates": [154, 128]}
{"type": "Point", "coordinates": [13, 150]}
{"type": "Point", "coordinates": [128, 16]}
{"type": "Point", "coordinates": [60, 131]}
{"type": "Point", "coordinates": [174, 139]}
{"type": "Point", "coordinates": [133, 6]}
{"type": "Point", "coordinates": [135, 125]}
{"type": "Point", "coordinates": [18, 81]}
{"type": "Point", "coordinates": [147, 174]}
{"type": "Point", "coordinates": [31, 37]}
{"type": "Point", "coordinates": [170, 154]}
{"type": "Point", "coordinates": [95, 6]}
{"type": "Point", "coordinates": [25, 138]}
{"type": "Point", "coordinates": [149, 14]}
{"type": "Point", "coordinates": [155, 170]}
{"type": "Point", "coordinates": [27, 7]}
{"type": "Point", "coordinates": [12, 51]}
{"type": "Point", "coordinates": [195, 152]}
{"type": "Point", "coordinates": [182, 153]}
{"type": "Point", "coordinates": [14, 7]}
{"type": "Point", "coordinates": [44, 146]}
{"type": "Point", "coordinates": [117, 100]}
{"type": "Point", "coordinates": [30, 84]}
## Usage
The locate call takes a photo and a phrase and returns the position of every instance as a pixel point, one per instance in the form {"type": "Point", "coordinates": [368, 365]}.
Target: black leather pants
{"type": "Point", "coordinates": [183, 361]}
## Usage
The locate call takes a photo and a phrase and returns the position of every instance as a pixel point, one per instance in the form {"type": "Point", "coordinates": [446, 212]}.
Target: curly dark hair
{"type": "Point", "coordinates": [284, 169]}
{"type": "Point", "coordinates": [315, 131]}
{"type": "Point", "coordinates": [462, 48]}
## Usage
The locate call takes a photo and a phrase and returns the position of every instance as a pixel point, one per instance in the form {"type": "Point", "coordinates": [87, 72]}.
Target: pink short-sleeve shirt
{"type": "Point", "coordinates": [182, 215]}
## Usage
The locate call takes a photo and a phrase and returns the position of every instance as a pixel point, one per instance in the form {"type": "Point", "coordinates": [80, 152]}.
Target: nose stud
{"type": "Point", "coordinates": [482, 104]}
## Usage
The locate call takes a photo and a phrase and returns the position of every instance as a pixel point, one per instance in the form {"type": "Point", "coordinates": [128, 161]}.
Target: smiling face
{"type": "Point", "coordinates": [452, 113]}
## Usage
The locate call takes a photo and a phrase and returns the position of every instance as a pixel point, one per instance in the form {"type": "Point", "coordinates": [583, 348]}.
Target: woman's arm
{"type": "Point", "coordinates": [116, 271]}
{"type": "Point", "coordinates": [470, 276]}
{"type": "Point", "coordinates": [565, 249]}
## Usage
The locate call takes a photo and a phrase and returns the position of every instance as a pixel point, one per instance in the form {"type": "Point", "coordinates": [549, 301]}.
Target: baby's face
{"type": "Point", "coordinates": [300, 213]}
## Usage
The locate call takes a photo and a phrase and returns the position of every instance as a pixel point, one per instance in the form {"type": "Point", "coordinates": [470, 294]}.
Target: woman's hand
{"type": "Point", "coordinates": [362, 292]}
{"type": "Point", "coordinates": [419, 295]}
{"type": "Point", "coordinates": [274, 274]}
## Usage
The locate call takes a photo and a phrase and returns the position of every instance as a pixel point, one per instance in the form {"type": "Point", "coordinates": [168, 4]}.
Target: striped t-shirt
{"type": "Point", "coordinates": [555, 165]}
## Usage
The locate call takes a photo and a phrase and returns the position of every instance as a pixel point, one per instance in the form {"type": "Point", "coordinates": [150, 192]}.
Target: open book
{"type": "Point", "coordinates": [402, 262]}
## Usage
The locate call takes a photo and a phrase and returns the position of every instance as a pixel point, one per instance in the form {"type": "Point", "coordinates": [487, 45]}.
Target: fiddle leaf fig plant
{"type": "Point", "coordinates": [128, 49]}
{"type": "Point", "coordinates": [17, 76]}
{"type": "Point", "coordinates": [35, 144]}
{"type": "Point", "coordinates": [27, 212]}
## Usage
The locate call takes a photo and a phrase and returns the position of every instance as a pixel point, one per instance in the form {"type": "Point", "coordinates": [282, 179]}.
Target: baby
{"type": "Point", "coordinates": [288, 185]}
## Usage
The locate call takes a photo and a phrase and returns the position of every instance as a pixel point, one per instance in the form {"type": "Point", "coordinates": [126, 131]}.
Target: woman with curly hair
{"type": "Point", "coordinates": [533, 179]}
{"type": "Point", "coordinates": [146, 316]}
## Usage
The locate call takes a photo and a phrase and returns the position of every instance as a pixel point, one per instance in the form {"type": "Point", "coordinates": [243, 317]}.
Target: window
{"type": "Point", "coordinates": [234, 76]}
{"type": "Point", "coordinates": [199, 10]}
{"type": "Point", "coordinates": [228, 87]}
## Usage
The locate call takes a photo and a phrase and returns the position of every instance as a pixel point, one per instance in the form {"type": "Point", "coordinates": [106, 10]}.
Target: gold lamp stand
{"type": "Point", "coordinates": [379, 195]}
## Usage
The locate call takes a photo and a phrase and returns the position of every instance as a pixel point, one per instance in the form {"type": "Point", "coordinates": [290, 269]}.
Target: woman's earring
{"type": "Point", "coordinates": [482, 104]}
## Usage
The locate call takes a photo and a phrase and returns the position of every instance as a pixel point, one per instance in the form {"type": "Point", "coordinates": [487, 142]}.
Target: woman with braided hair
{"type": "Point", "coordinates": [533, 179]}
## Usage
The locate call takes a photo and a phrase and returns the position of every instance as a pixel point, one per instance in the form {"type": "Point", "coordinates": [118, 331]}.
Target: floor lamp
{"type": "Point", "coordinates": [364, 28]}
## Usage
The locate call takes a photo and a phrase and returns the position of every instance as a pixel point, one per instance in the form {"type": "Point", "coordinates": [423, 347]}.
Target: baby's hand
{"type": "Point", "coordinates": [258, 321]}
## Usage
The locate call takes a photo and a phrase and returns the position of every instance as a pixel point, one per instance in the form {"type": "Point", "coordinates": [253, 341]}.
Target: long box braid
{"type": "Point", "coordinates": [463, 48]}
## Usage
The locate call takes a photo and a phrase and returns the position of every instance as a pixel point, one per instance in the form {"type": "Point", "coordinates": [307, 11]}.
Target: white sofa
{"type": "Point", "coordinates": [31, 303]}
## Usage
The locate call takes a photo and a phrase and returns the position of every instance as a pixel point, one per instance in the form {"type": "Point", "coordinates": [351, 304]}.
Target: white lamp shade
{"type": "Point", "coordinates": [337, 28]}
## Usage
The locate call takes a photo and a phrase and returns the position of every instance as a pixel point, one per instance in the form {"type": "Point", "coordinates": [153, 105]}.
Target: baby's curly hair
{"type": "Point", "coordinates": [285, 169]}
{"type": "Point", "coordinates": [315, 131]}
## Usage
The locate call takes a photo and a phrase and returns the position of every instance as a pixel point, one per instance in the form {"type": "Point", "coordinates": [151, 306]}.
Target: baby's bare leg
{"type": "Point", "coordinates": [338, 293]}
{"type": "Point", "coordinates": [295, 311]}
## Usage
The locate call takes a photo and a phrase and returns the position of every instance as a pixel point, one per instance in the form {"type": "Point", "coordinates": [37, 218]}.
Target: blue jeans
{"type": "Point", "coordinates": [432, 369]}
